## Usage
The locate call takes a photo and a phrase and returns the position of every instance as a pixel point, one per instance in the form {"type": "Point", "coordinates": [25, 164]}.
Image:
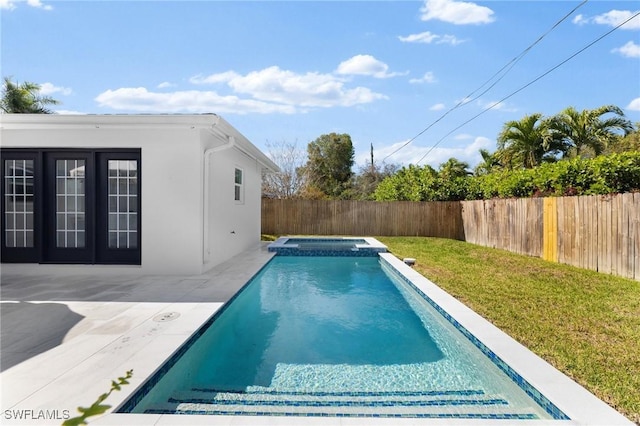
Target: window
{"type": "Point", "coordinates": [18, 202]}
{"type": "Point", "coordinates": [123, 207]}
{"type": "Point", "coordinates": [70, 201]}
{"type": "Point", "coordinates": [239, 187]}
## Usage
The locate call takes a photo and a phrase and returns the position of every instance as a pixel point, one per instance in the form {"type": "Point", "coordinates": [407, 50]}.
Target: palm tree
{"type": "Point", "coordinates": [630, 142]}
{"type": "Point", "coordinates": [24, 98]}
{"type": "Point", "coordinates": [453, 168]}
{"type": "Point", "coordinates": [489, 162]}
{"type": "Point", "coordinates": [528, 142]}
{"type": "Point", "coordinates": [587, 130]}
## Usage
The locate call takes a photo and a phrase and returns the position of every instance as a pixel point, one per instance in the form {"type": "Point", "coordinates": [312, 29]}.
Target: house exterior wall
{"type": "Point", "coordinates": [233, 226]}
{"type": "Point", "coordinates": [176, 236]}
{"type": "Point", "coordinates": [171, 202]}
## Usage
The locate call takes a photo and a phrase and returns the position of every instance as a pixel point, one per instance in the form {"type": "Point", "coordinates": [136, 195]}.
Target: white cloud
{"type": "Point", "coordinates": [365, 65]}
{"type": "Point", "coordinates": [437, 107]}
{"type": "Point", "coordinates": [616, 17]}
{"type": "Point", "coordinates": [613, 18]}
{"type": "Point", "coordinates": [38, 4]}
{"type": "Point", "coordinates": [49, 89]}
{"type": "Point", "coordinates": [634, 105]}
{"type": "Point", "coordinates": [270, 90]}
{"type": "Point", "coordinates": [496, 106]}
{"type": "Point", "coordinates": [69, 112]}
{"type": "Point", "coordinates": [579, 19]}
{"type": "Point", "coordinates": [165, 85]}
{"type": "Point", "coordinates": [307, 90]}
{"type": "Point", "coordinates": [428, 77]}
{"type": "Point", "coordinates": [12, 4]}
{"type": "Point", "coordinates": [462, 137]}
{"type": "Point", "coordinates": [449, 39]}
{"type": "Point", "coordinates": [192, 101]}
{"type": "Point", "coordinates": [456, 12]}
{"type": "Point", "coordinates": [412, 153]}
{"type": "Point", "coordinates": [428, 37]}
{"type": "Point", "coordinates": [7, 4]}
{"type": "Point", "coordinates": [223, 77]}
{"type": "Point", "coordinates": [629, 50]}
{"type": "Point", "coordinates": [276, 85]}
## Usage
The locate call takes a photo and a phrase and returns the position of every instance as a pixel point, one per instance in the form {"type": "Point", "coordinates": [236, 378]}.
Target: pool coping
{"type": "Point", "coordinates": [110, 354]}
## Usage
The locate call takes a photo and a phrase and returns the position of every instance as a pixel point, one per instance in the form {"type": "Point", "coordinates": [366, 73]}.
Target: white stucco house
{"type": "Point", "coordinates": [159, 194]}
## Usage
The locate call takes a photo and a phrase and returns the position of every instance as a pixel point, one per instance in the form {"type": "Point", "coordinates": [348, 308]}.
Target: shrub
{"type": "Point", "coordinates": [602, 175]}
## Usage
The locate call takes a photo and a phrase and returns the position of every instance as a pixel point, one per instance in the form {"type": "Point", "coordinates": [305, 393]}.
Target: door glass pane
{"type": "Point", "coordinates": [70, 225]}
{"type": "Point", "coordinates": [18, 183]}
{"type": "Point", "coordinates": [123, 201]}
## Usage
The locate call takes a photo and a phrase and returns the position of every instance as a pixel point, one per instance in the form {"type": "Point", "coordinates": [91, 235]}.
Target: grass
{"type": "Point", "coordinates": [584, 323]}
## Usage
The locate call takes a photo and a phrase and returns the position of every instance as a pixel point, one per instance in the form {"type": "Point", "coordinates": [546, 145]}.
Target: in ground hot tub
{"type": "Point", "coordinates": [327, 246]}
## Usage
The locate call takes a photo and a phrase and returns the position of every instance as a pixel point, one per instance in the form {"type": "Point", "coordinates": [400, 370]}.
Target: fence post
{"type": "Point", "coordinates": [550, 230]}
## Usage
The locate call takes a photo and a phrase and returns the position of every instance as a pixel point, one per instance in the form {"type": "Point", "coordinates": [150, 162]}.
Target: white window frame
{"type": "Point", "coordinates": [238, 187]}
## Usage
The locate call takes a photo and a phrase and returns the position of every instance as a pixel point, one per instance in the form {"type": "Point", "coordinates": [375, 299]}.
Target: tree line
{"type": "Point", "coordinates": [571, 153]}
{"type": "Point", "coordinates": [324, 171]}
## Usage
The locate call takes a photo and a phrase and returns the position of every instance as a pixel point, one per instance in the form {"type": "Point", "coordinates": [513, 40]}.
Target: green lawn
{"type": "Point", "coordinates": [584, 323]}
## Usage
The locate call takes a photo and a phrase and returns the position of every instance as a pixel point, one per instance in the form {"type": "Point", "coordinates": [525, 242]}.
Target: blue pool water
{"type": "Point", "coordinates": [332, 336]}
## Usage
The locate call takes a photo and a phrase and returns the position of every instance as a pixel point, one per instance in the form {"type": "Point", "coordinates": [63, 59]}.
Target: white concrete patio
{"type": "Point", "coordinates": [66, 334]}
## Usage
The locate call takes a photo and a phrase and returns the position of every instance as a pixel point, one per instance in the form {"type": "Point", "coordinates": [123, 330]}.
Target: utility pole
{"type": "Point", "coordinates": [371, 157]}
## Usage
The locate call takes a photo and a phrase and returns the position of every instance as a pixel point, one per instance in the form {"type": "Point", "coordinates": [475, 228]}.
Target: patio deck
{"type": "Point", "coordinates": [66, 333]}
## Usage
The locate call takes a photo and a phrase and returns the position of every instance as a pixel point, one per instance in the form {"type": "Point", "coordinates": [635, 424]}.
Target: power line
{"type": "Point", "coordinates": [467, 99]}
{"type": "Point", "coordinates": [527, 85]}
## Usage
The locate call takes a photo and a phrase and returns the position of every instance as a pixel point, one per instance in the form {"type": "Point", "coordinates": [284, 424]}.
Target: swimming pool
{"type": "Point", "coordinates": [326, 336]}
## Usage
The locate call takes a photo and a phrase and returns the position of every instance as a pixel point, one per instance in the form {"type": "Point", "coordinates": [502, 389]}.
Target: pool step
{"type": "Point", "coordinates": [451, 404]}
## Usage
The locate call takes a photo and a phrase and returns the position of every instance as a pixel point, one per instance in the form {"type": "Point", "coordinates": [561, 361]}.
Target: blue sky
{"type": "Point", "coordinates": [381, 71]}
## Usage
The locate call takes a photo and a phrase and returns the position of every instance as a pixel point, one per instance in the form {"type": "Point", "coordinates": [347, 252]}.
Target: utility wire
{"type": "Point", "coordinates": [527, 85]}
{"type": "Point", "coordinates": [506, 68]}
{"type": "Point", "coordinates": [515, 60]}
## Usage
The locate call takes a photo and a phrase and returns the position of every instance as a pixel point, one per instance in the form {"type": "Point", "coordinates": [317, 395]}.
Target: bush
{"type": "Point", "coordinates": [615, 173]}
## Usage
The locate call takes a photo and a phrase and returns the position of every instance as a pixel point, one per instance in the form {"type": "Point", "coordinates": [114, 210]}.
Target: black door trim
{"type": "Point", "coordinates": [96, 250]}
{"type": "Point", "coordinates": [52, 253]}
{"type": "Point", "coordinates": [104, 254]}
{"type": "Point", "coordinates": [22, 254]}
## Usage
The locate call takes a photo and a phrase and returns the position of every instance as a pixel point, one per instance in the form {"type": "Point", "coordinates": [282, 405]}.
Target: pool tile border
{"type": "Point", "coordinates": [452, 416]}
{"type": "Point", "coordinates": [530, 390]}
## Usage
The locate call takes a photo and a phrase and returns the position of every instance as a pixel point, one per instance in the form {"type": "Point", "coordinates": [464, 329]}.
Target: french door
{"type": "Point", "coordinates": [68, 207]}
{"type": "Point", "coordinates": [71, 206]}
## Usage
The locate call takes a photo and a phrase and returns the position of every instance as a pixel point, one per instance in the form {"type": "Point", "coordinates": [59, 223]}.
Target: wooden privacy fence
{"type": "Point", "coordinates": [596, 232]}
{"type": "Point", "coordinates": [512, 224]}
{"type": "Point", "coordinates": [330, 217]}
{"type": "Point", "coordinates": [600, 233]}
